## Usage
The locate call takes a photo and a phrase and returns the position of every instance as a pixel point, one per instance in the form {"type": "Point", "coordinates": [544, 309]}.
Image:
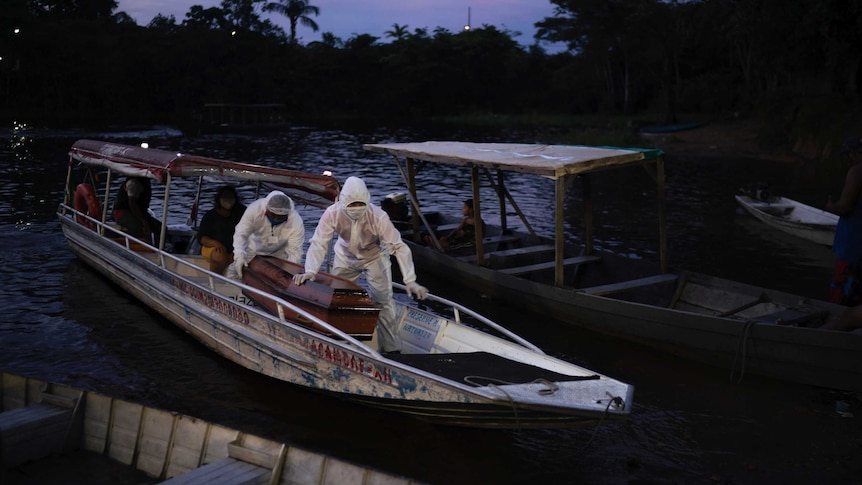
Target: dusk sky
{"type": "Point", "coordinates": [346, 18]}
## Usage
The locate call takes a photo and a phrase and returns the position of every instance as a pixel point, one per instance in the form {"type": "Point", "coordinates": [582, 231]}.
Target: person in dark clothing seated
{"type": "Point", "coordinates": [131, 210]}
{"type": "Point", "coordinates": [217, 228]}
{"type": "Point", "coordinates": [465, 234]}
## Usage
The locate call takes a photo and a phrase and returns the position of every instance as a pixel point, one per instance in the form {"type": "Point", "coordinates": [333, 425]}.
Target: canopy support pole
{"type": "Point", "coordinates": [586, 185]}
{"type": "Point", "coordinates": [409, 178]}
{"type": "Point", "coordinates": [501, 193]}
{"type": "Point", "coordinates": [662, 220]}
{"type": "Point", "coordinates": [559, 229]}
{"type": "Point", "coordinates": [477, 216]}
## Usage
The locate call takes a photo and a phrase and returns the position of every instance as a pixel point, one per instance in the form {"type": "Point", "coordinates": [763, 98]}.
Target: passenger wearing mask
{"type": "Point", "coordinates": [217, 229]}
{"type": "Point", "coordinates": [366, 239]}
{"type": "Point", "coordinates": [269, 227]}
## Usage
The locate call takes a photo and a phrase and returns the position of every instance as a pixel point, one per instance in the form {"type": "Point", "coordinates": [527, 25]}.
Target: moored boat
{"type": "Point", "coordinates": [742, 328]}
{"type": "Point", "coordinates": [448, 372]}
{"type": "Point", "coordinates": [792, 217]}
{"type": "Point", "coordinates": [41, 421]}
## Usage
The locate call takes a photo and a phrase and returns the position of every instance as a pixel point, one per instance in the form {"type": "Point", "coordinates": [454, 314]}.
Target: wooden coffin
{"type": "Point", "coordinates": [337, 301]}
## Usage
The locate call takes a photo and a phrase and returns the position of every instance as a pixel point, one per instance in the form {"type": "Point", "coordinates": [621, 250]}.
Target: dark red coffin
{"type": "Point", "coordinates": [337, 301]}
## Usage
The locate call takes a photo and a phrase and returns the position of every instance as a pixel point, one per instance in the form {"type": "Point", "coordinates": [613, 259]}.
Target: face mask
{"type": "Point", "coordinates": [227, 203]}
{"type": "Point", "coordinates": [275, 222]}
{"type": "Point", "coordinates": [355, 213]}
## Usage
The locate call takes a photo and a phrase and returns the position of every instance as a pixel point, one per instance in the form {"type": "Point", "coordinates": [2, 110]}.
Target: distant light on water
{"type": "Point", "coordinates": [145, 145]}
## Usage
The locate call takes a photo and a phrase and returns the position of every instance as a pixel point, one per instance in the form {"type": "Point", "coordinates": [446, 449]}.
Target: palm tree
{"type": "Point", "coordinates": [296, 11]}
{"type": "Point", "coordinates": [398, 32]}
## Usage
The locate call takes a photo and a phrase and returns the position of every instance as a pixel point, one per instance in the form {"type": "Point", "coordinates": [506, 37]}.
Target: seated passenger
{"type": "Point", "coordinates": [462, 236]}
{"type": "Point", "coordinates": [217, 227]}
{"type": "Point", "coordinates": [131, 210]}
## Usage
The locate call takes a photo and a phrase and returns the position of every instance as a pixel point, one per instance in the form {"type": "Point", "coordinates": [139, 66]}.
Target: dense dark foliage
{"type": "Point", "coordinates": [81, 59]}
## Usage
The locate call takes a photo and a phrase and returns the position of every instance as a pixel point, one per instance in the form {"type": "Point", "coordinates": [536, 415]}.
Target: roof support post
{"type": "Point", "coordinates": [501, 191]}
{"type": "Point", "coordinates": [662, 220]}
{"type": "Point", "coordinates": [586, 185]}
{"type": "Point", "coordinates": [559, 229]}
{"type": "Point", "coordinates": [477, 216]}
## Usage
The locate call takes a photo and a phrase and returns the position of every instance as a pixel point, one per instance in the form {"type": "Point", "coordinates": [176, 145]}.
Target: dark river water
{"type": "Point", "coordinates": [690, 423]}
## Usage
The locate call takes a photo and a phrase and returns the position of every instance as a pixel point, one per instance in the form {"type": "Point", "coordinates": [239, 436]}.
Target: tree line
{"type": "Point", "coordinates": [82, 58]}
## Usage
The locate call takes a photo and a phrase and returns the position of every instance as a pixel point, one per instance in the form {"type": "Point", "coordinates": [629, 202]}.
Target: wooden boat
{"type": "Point", "coordinates": [742, 328]}
{"type": "Point", "coordinates": [448, 371]}
{"type": "Point", "coordinates": [41, 420]}
{"type": "Point", "coordinates": [792, 217]}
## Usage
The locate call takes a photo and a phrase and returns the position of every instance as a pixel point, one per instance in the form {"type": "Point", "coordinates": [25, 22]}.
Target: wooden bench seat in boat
{"type": "Point", "coordinates": [500, 258]}
{"type": "Point", "coordinates": [628, 285]}
{"type": "Point", "coordinates": [794, 317]}
{"type": "Point", "coordinates": [440, 231]}
{"type": "Point", "coordinates": [242, 466]}
{"type": "Point", "coordinates": [530, 268]}
{"type": "Point", "coordinates": [35, 431]}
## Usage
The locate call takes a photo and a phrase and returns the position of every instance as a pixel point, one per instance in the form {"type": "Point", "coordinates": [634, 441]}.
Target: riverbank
{"type": "Point", "coordinates": [721, 139]}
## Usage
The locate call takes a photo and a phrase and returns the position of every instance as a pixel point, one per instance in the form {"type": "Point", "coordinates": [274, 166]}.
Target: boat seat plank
{"type": "Point", "coordinates": [527, 250]}
{"type": "Point", "coordinates": [482, 368]}
{"type": "Point", "coordinates": [530, 268]}
{"type": "Point", "coordinates": [32, 432]}
{"type": "Point", "coordinates": [629, 285]}
{"type": "Point", "coordinates": [794, 318]}
{"type": "Point", "coordinates": [500, 239]}
{"type": "Point", "coordinates": [227, 471]}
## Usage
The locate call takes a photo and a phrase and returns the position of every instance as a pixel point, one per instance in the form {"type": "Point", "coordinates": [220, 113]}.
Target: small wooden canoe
{"type": "Point", "coordinates": [792, 217]}
{"type": "Point", "coordinates": [338, 301]}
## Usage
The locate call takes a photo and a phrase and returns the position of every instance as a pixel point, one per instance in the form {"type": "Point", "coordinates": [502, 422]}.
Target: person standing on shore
{"type": "Point", "coordinates": [846, 287]}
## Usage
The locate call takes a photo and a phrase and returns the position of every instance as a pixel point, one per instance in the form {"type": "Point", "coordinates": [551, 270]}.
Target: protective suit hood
{"type": "Point", "coordinates": [354, 190]}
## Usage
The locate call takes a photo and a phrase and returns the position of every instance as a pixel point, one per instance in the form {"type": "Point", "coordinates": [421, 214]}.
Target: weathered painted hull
{"type": "Point", "coordinates": [256, 340]}
{"type": "Point", "coordinates": [805, 355]}
{"type": "Point", "coordinates": [162, 444]}
{"type": "Point", "coordinates": [794, 218]}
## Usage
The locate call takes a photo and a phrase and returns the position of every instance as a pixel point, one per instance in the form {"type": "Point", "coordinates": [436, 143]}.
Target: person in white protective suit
{"type": "Point", "coordinates": [269, 227]}
{"type": "Point", "coordinates": [366, 239]}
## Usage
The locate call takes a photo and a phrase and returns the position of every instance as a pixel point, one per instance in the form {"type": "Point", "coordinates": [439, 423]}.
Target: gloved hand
{"type": "Point", "coordinates": [238, 264]}
{"type": "Point", "coordinates": [417, 290]}
{"type": "Point", "coordinates": [301, 278]}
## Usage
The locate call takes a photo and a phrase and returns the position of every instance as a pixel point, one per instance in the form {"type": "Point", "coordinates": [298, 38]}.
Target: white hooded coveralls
{"type": "Point", "coordinates": [364, 246]}
{"type": "Point", "coordinates": [255, 234]}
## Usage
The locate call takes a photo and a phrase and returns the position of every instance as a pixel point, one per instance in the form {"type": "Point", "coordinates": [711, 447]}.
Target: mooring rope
{"type": "Point", "coordinates": [613, 400]}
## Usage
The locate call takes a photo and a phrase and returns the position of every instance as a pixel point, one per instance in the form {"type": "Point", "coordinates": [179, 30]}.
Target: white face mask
{"type": "Point", "coordinates": [227, 203]}
{"type": "Point", "coordinates": [356, 213]}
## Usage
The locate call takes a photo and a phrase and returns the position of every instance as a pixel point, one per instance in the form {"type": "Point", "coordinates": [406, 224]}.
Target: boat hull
{"type": "Point", "coordinates": [805, 355]}
{"type": "Point", "coordinates": [793, 218]}
{"type": "Point", "coordinates": [253, 338]}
